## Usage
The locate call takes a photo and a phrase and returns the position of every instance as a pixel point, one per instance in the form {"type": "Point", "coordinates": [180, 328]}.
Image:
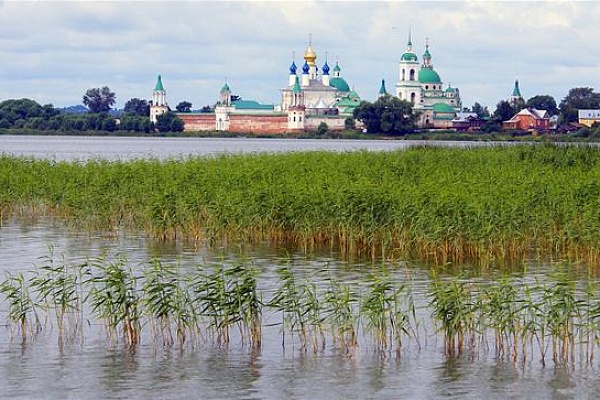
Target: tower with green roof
{"type": "Point", "coordinates": [159, 104]}
{"type": "Point", "coordinates": [408, 87]}
{"type": "Point", "coordinates": [516, 100]}
{"type": "Point", "coordinates": [422, 86]}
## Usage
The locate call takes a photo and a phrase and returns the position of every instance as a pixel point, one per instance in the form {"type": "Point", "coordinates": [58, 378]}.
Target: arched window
{"type": "Point", "coordinates": [412, 97]}
{"type": "Point", "coordinates": [412, 74]}
{"type": "Point", "coordinates": [403, 74]}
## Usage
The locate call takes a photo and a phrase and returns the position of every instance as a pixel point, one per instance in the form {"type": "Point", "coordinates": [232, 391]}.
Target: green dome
{"type": "Point", "coordinates": [340, 84]}
{"type": "Point", "coordinates": [409, 57]}
{"type": "Point", "coordinates": [225, 88]}
{"type": "Point", "coordinates": [428, 75]}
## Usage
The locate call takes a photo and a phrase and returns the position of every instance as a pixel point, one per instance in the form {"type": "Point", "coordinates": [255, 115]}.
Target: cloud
{"type": "Point", "coordinates": [54, 51]}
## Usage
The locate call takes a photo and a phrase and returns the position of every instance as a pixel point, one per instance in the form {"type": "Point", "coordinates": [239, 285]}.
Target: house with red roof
{"type": "Point", "coordinates": [528, 119]}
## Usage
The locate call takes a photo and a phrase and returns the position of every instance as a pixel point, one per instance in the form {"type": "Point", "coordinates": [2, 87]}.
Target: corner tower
{"type": "Point", "coordinates": [159, 101]}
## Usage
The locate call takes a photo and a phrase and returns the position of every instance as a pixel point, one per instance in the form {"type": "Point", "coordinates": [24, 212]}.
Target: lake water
{"type": "Point", "coordinates": [125, 148]}
{"type": "Point", "coordinates": [93, 368]}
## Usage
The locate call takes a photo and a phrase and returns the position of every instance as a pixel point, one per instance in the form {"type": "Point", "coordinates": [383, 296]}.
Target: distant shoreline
{"type": "Point", "coordinates": [430, 135]}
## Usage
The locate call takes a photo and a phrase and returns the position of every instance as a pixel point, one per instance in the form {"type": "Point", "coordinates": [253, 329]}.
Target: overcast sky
{"type": "Point", "coordinates": [53, 52]}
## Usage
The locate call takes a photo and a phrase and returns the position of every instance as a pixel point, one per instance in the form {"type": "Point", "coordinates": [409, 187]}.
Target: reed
{"type": "Point", "coordinates": [21, 308]}
{"type": "Point", "coordinates": [555, 319]}
{"type": "Point", "coordinates": [115, 299]}
{"type": "Point", "coordinates": [496, 205]}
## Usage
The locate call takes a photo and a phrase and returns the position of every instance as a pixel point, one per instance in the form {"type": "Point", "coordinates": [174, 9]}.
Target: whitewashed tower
{"type": "Point", "coordinates": [159, 101]}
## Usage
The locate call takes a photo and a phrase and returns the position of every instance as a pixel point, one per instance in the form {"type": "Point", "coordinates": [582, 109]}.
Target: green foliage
{"type": "Point", "coordinates": [504, 111]}
{"type": "Point", "coordinates": [322, 129]}
{"type": "Point", "coordinates": [184, 107]}
{"type": "Point", "coordinates": [137, 107]}
{"type": "Point", "coordinates": [99, 100]}
{"type": "Point", "coordinates": [388, 115]}
{"type": "Point", "coordinates": [169, 122]}
{"type": "Point", "coordinates": [487, 205]}
{"type": "Point", "coordinates": [579, 98]}
{"type": "Point", "coordinates": [543, 102]}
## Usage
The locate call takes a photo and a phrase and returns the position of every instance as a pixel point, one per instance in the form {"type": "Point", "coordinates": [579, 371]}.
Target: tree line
{"type": "Point", "coordinates": [27, 114]}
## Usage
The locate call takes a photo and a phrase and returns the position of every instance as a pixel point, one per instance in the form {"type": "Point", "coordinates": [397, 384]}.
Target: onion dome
{"type": "Point", "coordinates": [340, 84]}
{"type": "Point", "coordinates": [305, 68]}
{"type": "Point", "coordinates": [310, 56]}
{"type": "Point", "coordinates": [225, 88]}
{"type": "Point", "coordinates": [325, 69]}
{"type": "Point", "coordinates": [409, 56]}
{"type": "Point", "coordinates": [293, 68]}
{"type": "Point", "coordinates": [427, 55]}
{"type": "Point", "coordinates": [428, 75]}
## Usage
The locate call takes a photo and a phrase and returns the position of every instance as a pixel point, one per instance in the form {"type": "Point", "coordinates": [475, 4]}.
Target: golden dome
{"type": "Point", "coordinates": [310, 56]}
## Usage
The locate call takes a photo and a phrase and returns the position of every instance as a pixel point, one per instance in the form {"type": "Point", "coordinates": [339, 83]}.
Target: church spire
{"type": "Point", "coordinates": [382, 90]}
{"type": "Point", "coordinates": [516, 90]}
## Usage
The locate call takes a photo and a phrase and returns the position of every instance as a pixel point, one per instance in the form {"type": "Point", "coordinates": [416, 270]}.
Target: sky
{"type": "Point", "coordinates": [53, 51]}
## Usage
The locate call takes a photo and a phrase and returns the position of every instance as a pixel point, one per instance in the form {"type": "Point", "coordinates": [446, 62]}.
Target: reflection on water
{"type": "Point", "coordinates": [92, 368]}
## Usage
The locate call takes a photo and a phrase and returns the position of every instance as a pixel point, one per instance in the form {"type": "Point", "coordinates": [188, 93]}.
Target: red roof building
{"type": "Point", "coordinates": [529, 119]}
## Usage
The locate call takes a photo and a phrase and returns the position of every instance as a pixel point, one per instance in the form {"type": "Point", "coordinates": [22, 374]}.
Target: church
{"type": "Point", "coordinates": [312, 96]}
{"type": "Point", "coordinates": [420, 84]}
{"type": "Point", "coordinates": [309, 97]}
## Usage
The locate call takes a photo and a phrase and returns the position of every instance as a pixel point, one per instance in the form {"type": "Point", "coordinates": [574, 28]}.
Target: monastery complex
{"type": "Point", "coordinates": [312, 96]}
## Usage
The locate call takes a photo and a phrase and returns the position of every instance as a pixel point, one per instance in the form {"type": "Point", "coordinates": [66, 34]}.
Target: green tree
{"type": "Point", "coordinates": [479, 110]}
{"type": "Point", "coordinates": [322, 129]}
{"type": "Point", "coordinates": [169, 122]}
{"type": "Point", "coordinates": [388, 115]}
{"type": "Point", "coordinates": [349, 124]}
{"type": "Point", "coordinates": [581, 98]}
{"type": "Point", "coordinates": [184, 107]}
{"type": "Point", "coordinates": [99, 100]}
{"type": "Point", "coordinates": [504, 111]}
{"type": "Point", "coordinates": [135, 106]}
{"type": "Point", "coordinates": [22, 109]}
{"type": "Point", "coordinates": [543, 102]}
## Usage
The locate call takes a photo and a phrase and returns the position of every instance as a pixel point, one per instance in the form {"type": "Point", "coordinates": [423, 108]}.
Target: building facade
{"type": "Point", "coordinates": [308, 99]}
{"type": "Point", "coordinates": [420, 84]}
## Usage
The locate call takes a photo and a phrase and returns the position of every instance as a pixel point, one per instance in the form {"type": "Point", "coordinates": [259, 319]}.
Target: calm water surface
{"type": "Point", "coordinates": [124, 148]}
{"type": "Point", "coordinates": [93, 369]}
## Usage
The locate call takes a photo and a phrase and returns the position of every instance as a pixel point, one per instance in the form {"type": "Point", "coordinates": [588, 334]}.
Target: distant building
{"type": "Point", "coordinates": [589, 117]}
{"type": "Point", "coordinates": [468, 121]}
{"type": "Point", "coordinates": [516, 100]}
{"type": "Point", "coordinates": [159, 104]}
{"type": "Point", "coordinates": [422, 86]}
{"type": "Point", "coordinates": [309, 98]}
{"type": "Point", "coordinates": [529, 119]}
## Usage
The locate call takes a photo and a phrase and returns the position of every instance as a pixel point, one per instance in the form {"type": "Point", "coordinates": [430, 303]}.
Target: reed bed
{"type": "Point", "coordinates": [501, 204]}
{"type": "Point", "coordinates": [556, 319]}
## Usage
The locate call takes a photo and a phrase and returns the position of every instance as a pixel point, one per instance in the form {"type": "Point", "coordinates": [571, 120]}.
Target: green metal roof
{"type": "Point", "coordinates": [516, 90]}
{"type": "Point", "coordinates": [251, 105]}
{"type": "Point", "coordinates": [339, 83]}
{"type": "Point", "coordinates": [297, 88]}
{"type": "Point", "coordinates": [225, 88]}
{"type": "Point", "coordinates": [409, 57]}
{"type": "Point", "coordinates": [159, 85]}
{"type": "Point", "coordinates": [443, 108]}
{"type": "Point", "coordinates": [382, 90]}
{"type": "Point", "coordinates": [428, 75]}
